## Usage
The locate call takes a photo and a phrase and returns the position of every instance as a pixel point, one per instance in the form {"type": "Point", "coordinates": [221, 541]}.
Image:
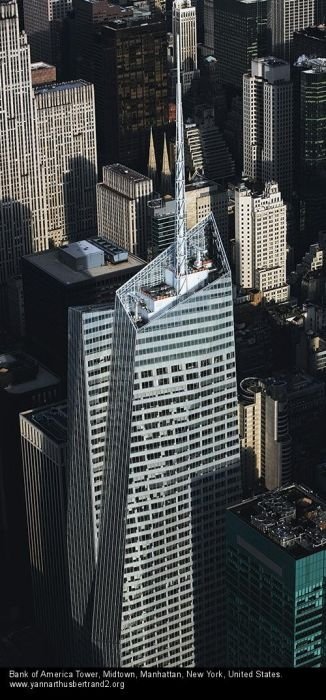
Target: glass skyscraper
{"type": "Point", "coordinates": [172, 462]}
{"type": "Point", "coordinates": [171, 458]}
{"type": "Point", "coordinates": [89, 354]}
{"type": "Point", "coordinates": [276, 563]}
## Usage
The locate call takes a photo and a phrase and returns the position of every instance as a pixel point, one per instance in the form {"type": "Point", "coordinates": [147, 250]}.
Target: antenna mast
{"type": "Point", "coordinates": [180, 210]}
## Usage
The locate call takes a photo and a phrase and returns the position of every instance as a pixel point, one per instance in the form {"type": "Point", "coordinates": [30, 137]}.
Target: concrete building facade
{"type": "Point", "coordinates": [122, 200]}
{"type": "Point", "coordinates": [65, 115]}
{"type": "Point", "coordinates": [22, 206]}
{"type": "Point", "coordinates": [260, 237]}
{"type": "Point", "coordinates": [267, 123]}
{"type": "Point", "coordinates": [286, 17]}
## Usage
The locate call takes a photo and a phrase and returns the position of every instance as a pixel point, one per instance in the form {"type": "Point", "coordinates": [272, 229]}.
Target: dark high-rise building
{"type": "Point", "coordinates": [125, 56]}
{"type": "Point", "coordinates": [240, 30]}
{"type": "Point", "coordinates": [43, 23]}
{"type": "Point", "coordinates": [44, 456]}
{"type": "Point", "coordinates": [24, 384]}
{"type": "Point", "coordinates": [313, 117]}
{"type": "Point", "coordinates": [309, 127]}
{"type": "Point", "coordinates": [87, 272]}
{"type": "Point", "coordinates": [276, 556]}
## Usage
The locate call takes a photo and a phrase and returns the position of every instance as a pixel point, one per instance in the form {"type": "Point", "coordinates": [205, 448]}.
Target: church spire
{"type": "Point", "coordinates": [166, 172]}
{"type": "Point", "coordinates": [152, 168]}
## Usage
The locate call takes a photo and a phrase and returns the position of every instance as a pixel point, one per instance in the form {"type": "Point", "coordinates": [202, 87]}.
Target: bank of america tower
{"type": "Point", "coordinates": [172, 455]}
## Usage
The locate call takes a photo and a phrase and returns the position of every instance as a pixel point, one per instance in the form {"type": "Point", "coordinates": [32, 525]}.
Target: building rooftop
{"type": "Point", "coordinates": [60, 87]}
{"type": "Point", "coordinates": [161, 208]}
{"type": "Point", "coordinates": [317, 32]}
{"type": "Point", "coordinates": [293, 517]}
{"type": "Point", "coordinates": [40, 65]}
{"type": "Point", "coordinates": [21, 373]}
{"type": "Point", "coordinates": [73, 264]}
{"type": "Point", "coordinates": [51, 420]}
{"type": "Point", "coordinates": [154, 289]}
{"type": "Point", "coordinates": [125, 172]}
{"type": "Point", "coordinates": [311, 64]}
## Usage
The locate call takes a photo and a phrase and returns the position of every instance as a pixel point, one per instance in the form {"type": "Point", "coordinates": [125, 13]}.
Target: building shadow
{"type": "Point", "coordinates": [18, 235]}
{"type": "Point", "coordinates": [79, 193]}
{"type": "Point", "coordinates": [208, 504]}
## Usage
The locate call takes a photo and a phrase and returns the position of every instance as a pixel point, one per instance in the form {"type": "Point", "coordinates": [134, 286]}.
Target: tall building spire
{"type": "Point", "coordinates": [152, 168]}
{"type": "Point", "coordinates": [180, 213]}
{"type": "Point", "coordinates": [166, 172]}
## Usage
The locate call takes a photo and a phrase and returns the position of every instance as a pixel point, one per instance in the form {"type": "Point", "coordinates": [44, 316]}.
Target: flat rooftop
{"type": "Point", "coordinates": [52, 421]}
{"type": "Point", "coordinates": [271, 61]}
{"type": "Point", "coordinates": [127, 173]}
{"type": "Point", "coordinates": [20, 373]}
{"type": "Point", "coordinates": [60, 87]}
{"type": "Point", "coordinates": [293, 517]}
{"type": "Point", "coordinates": [49, 262]}
{"type": "Point", "coordinates": [40, 65]}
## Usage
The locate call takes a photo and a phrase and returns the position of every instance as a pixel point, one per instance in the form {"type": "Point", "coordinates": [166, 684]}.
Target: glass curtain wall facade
{"type": "Point", "coordinates": [171, 464]}
{"type": "Point", "coordinates": [276, 592]}
{"type": "Point", "coordinates": [89, 351]}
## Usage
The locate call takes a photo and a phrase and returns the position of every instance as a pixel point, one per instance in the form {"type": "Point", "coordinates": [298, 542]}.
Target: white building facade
{"type": "Point", "coordinates": [122, 200]}
{"type": "Point", "coordinates": [260, 237]}
{"type": "Point", "coordinates": [267, 123]}
{"type": "Point", "coordinates": [286, 17]}
{"type": "Point", "coordinates": [184, 24]}
{"type": "Point", "coordinates": [67, 140]}
{"type": "Point", "coordinates": [22, 208]}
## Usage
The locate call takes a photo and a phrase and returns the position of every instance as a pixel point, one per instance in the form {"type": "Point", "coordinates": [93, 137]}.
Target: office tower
{"type": "Point", "coordinates": [87, 272]}
{"type": "Point", "coordinates": [44, 456]}
{"type": "Point", "coordinates": [286, 17]}
{"type": "Point", "coordinates": [89, 356]}
{"type": "Point", "coordinates": [43, 20]}
{"type": "Point", "coordinates": [202, 197]}
{"type": "Point", "coordinates": [275, 580]}
{"type": "Point", "coordinates": [240, 28]}
{"type": "Point", "coordinates": [313, 116]}
{"type": "Point", "coordinates": [309, 125]}
{"type": "Point", "coordinates": [264, 433]}
{"type": "Point", "coordinates": [126, 59]}
{"type": "Point", "coordinates": [267, 123]}
{"type": "Point", "coordinates": [260, 239]}
{"type": "Point", "coordinates": [24, 384]}
{"type": "Point", "coordinates": [172, 467]}
{"type": "Point", "coordinates": [161, 225]}
{"type": "Point", "coordinates": [209, 44]}
{"type": "Point", "coordinates": [67, 137]}
{"type": "Point", "coordinates": [122, 200]}
{"type": "Point", "coordinates": [206, 150]}
{"type": "Point", "coordinates": [85, 20]}
{"type": "Point", "coordinates": [22, 209]}
{"type": "Point", "coordinates": [184, 25]}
